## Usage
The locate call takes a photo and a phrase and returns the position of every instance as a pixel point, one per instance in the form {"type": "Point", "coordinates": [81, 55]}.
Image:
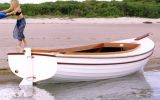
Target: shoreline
{"type": "Point", "coordinates": [119, 20]}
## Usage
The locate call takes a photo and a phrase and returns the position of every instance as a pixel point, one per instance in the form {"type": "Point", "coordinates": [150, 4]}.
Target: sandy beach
{"type": "Point", "coordinates": [64, 32]}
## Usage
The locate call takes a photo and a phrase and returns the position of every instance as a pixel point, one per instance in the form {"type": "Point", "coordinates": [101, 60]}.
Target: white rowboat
{"type": "Point", "coordinates": [85, 63]}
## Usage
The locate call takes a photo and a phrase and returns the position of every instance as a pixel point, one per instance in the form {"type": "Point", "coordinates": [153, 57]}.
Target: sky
{"type": "Point", "coordinates": [41, 1]}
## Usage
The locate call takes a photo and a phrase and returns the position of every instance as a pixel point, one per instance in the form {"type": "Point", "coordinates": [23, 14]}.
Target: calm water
{"type": "Point", "coordinates": [138, 86]}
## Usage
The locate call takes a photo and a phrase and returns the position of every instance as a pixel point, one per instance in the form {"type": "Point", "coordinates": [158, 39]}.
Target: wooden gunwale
{"type": "Point", "coordinates": [77, 56]}
{"type": "Point", "coordinates": [76, 50]}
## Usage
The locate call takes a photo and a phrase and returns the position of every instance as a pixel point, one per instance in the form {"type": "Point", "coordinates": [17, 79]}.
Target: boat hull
{"type": "Point", "coordinates": [74, 72]}
{"type": "Point", "coordinates": [69, 70]}
{"type": "Point", "coordinates": [77, 67]}
{"type": "Point", "coordinates": [97, 74]}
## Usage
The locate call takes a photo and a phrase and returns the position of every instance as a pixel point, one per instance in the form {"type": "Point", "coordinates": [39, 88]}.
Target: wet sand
{"type": "Point", "coordinates": [138, 86]}
{"type": "Point", "coordinates": [59, 33]}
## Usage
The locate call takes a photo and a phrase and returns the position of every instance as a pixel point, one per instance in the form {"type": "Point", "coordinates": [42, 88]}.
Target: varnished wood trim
{"type": "Point", "coordinates": [72, 56]}
{"type": "Point", "coordinates": [43, 55]}
{"type": "Point", "coordinates": [38, 54]}
{"type": "Point", "coordinates": [88, 47]}
{"type": "Point", "coordinates": [80, 57]}
{"type": "Point", "coordinates": [15, 54]}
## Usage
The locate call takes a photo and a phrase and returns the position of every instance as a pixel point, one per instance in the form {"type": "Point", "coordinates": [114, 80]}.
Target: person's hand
{"type": "Point", "coordinates": [8, 14]}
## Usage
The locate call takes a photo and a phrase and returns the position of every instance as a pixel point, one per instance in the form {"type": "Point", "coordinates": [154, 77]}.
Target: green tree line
{"type": "Point", "coordinates": [92, 8]}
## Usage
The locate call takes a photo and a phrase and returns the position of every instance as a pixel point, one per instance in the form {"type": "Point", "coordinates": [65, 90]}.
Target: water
{"type": "Point", "coordinates": [138, 86]}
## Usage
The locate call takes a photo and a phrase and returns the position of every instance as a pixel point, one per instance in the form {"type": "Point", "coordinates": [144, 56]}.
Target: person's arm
{"type": "Point", "coordinates": [14, 11]}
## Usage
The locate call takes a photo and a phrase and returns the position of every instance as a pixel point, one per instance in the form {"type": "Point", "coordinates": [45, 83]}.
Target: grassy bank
{"type": "Point", "coordinates": [129, 8]}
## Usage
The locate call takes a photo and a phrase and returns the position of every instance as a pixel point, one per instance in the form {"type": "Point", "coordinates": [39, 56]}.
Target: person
{"type": "Point", "coordinates": [15, 9]}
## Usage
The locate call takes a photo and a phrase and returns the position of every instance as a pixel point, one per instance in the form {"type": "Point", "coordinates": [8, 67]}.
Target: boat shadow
{"type": "Point", "coordinates": [133, 87]}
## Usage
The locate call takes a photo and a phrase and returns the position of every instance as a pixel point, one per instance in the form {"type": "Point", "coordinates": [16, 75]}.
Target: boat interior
{"type": "Point", "coordinates": [94, 48]}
